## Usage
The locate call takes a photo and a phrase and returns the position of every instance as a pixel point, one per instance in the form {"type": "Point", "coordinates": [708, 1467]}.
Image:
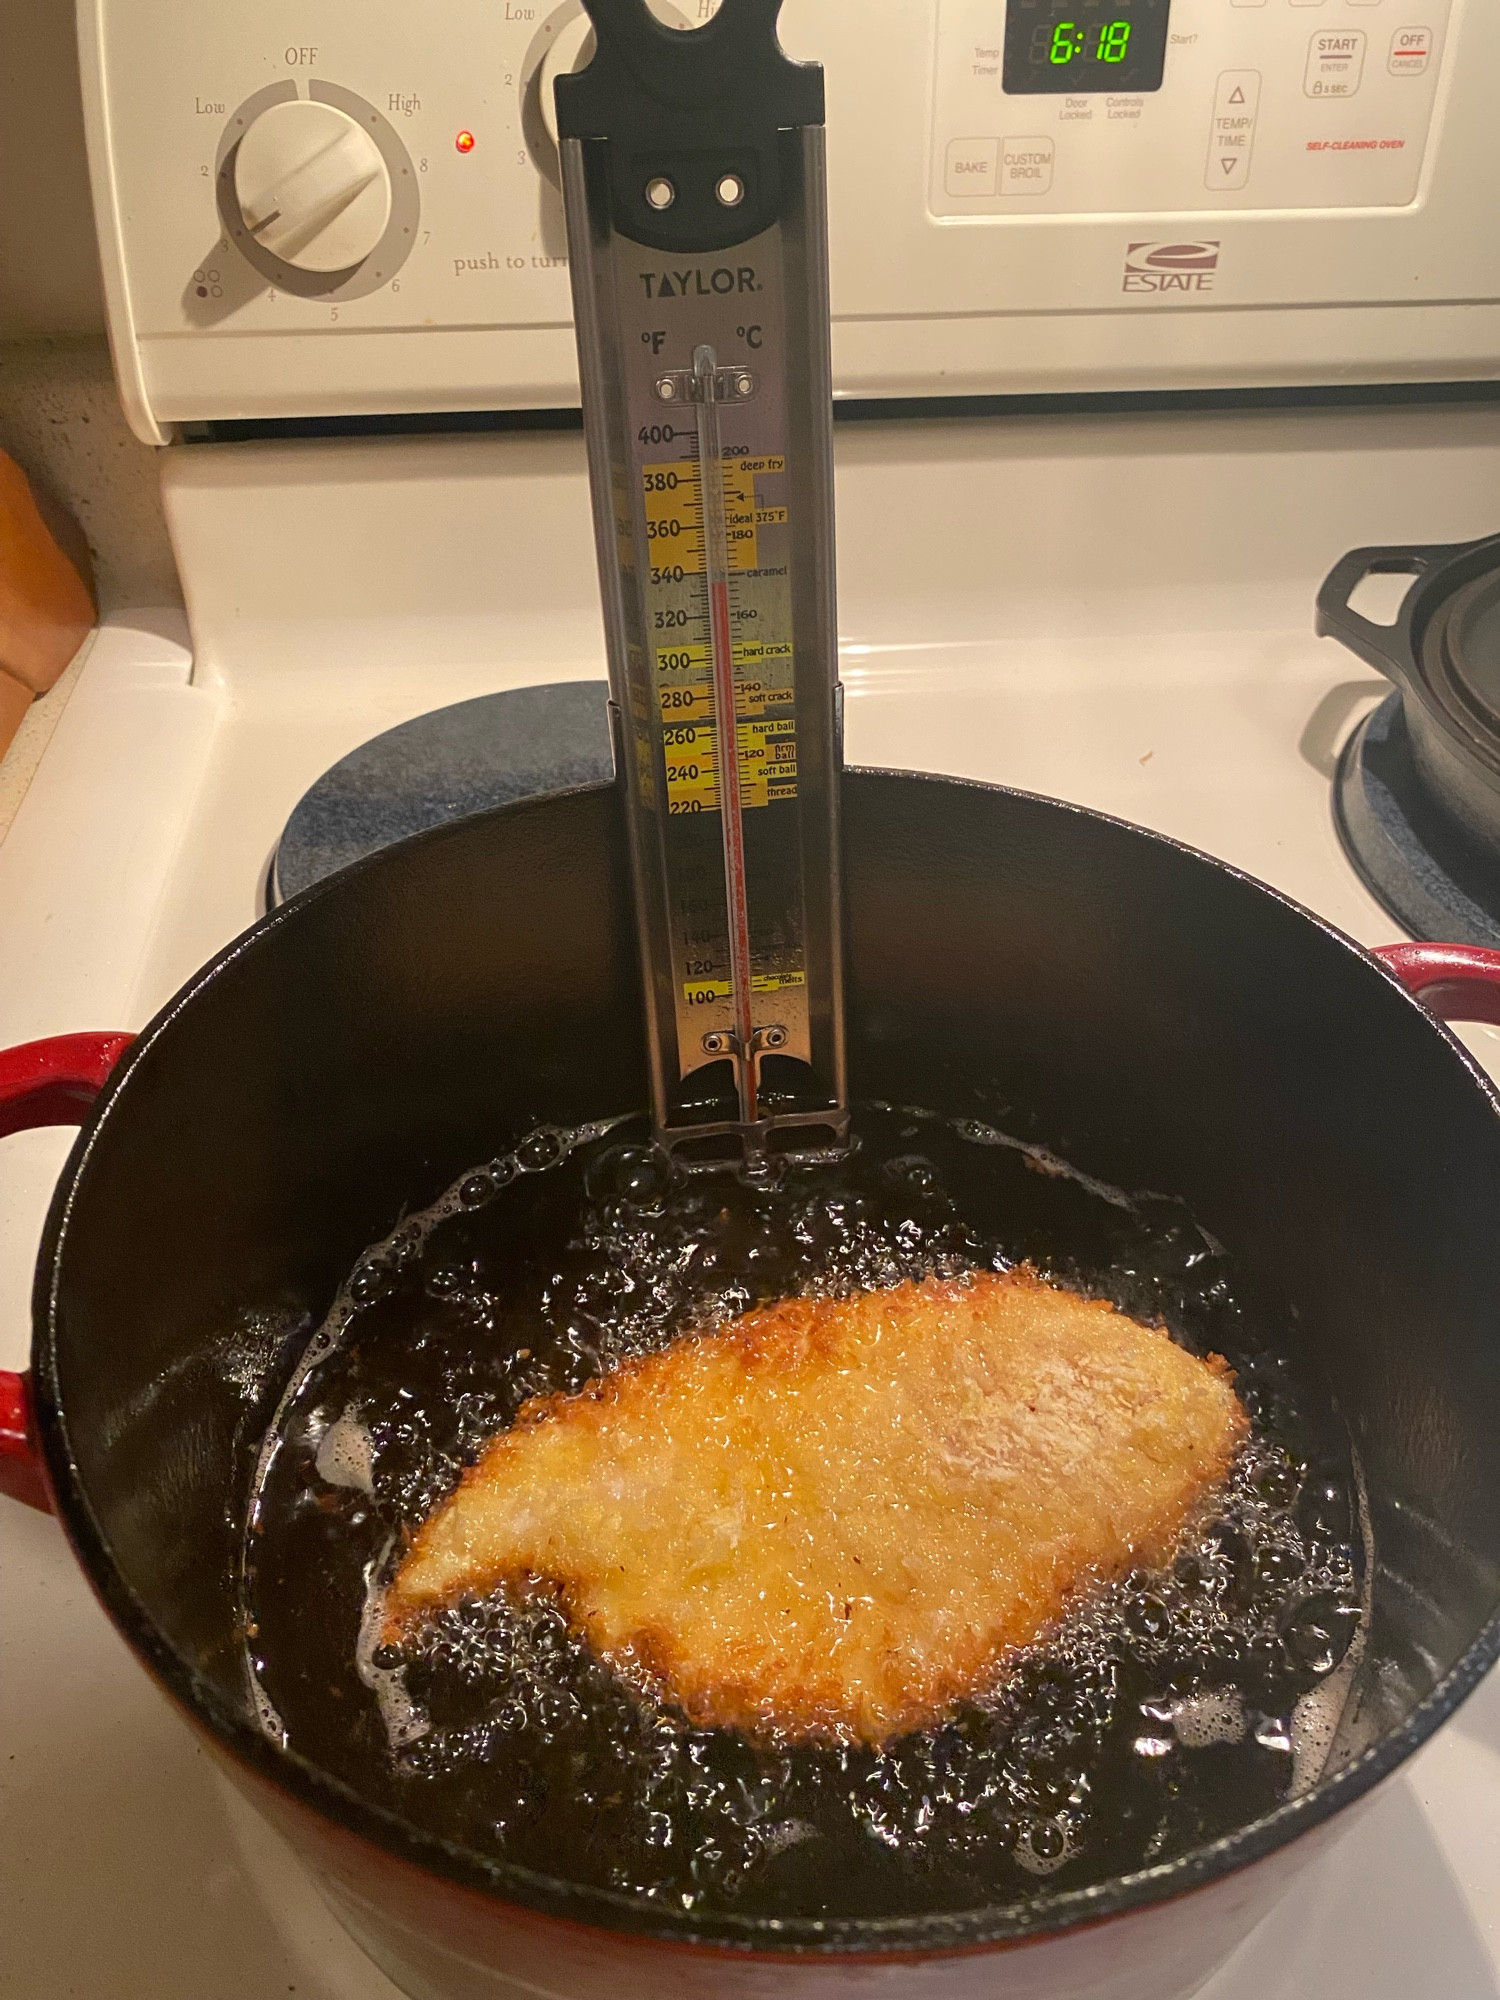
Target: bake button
{"type": "Point", "coordinates": [1231, 135]}
{"type": "Point", "coordinates": [972, 165]}
{"type": "Point", "coordinates": [1026, 165]}
{"type": "Point", "coordinates": [1411, 51]}
{"type": "Point", "coordinates": [1335, 63]}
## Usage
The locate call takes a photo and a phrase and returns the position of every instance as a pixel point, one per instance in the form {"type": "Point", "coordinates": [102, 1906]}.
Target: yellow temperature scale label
{"type": "Point", "coordinates": [674, 514]}
{"type": "Point", "coordinates": [768, 759]}
{"type": "Point", "coordinates": [699, 992]}
{"type": "Point", "coordinates": [767, 744]}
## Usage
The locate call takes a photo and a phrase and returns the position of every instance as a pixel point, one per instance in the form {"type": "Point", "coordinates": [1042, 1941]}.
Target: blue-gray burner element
{"type": "Point", "coordinates": [1409, 853]}
{"type": "Point", "coordinates": [440, 767]}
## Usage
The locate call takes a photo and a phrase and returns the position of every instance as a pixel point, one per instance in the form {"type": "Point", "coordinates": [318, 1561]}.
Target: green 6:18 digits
{"type": "Point", "coordinates": [1068, 39]}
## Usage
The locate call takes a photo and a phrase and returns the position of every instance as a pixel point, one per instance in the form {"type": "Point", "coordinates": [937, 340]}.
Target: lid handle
{"type": "Point", "coordinates": [1386, 648]}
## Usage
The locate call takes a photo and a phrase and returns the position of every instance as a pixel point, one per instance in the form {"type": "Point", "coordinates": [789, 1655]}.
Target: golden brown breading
{"type": "Point", "coordinates": [833, 1517]}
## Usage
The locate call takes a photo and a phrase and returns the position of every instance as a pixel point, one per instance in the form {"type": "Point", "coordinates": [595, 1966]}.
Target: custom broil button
{"type": "Point", "coordinates": [1335, 62]}
{"type": "Point", "coordinates": [1411, 51]}
{"type": "Point", "coordinates": [1026, 165]}
{"type": "Point", "coordinates": [1231, 136]}
{"type": "Point", "coordinates": [972, 165]}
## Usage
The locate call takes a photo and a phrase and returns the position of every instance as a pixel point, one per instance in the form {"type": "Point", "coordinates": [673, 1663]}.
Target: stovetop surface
{"type": "Point", "coordinates": [1181, 688]}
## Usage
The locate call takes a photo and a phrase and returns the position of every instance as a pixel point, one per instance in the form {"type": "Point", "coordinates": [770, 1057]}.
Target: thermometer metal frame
{"type": "Point", "coordinates": [693, 181]}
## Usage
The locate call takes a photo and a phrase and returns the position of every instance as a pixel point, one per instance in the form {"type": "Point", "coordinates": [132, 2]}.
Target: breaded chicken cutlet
{"type": "Point", "coordinates": [832, 1518]}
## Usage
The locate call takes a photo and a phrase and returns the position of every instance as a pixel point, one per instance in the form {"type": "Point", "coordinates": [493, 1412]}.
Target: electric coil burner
{"type": "Point", "coordinates": [1417, 795]}
{"type": "Point", "coordinates": [1406, 850]}
{"type": "Point", "coordinates": [440, 767]}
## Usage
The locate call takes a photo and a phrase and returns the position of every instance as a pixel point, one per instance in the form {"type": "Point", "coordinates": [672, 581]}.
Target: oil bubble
{"type": "Point", "coordinates": [1148, 1618]}
{"type": "Point", "coordinates": [1263, 1655]}
{"type": "Point", "coordinates": [1197, 1574]}
{"type": "Point", "coordinates": [541, 1149]}
{"type": "Point", "coordinates": [1226, 1648]}
{"type": "Point", "coordinates": [1278, 1482]}
{"type": "Point", "coordinates": [1227, 1547]}
{"type": "Point", "coordinates": [637, 1175]}
{"type": "Point", "coordinates": [1318, 1632]}
{"type": "Point", "coordinates": [1276, 1570]}
{"type": "Point", "coordinates": [1042, 1847]}
{"type": "Point", "coordinates": [370, 1281]}
{"type": "Point", "coordinates": [403, 1243]}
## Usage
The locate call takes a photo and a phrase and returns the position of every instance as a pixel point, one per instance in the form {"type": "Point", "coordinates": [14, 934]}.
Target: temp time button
{"type": "Point", "coordinates": [1335, 63]}
{"type": "Point", "coordinates": [972, 166]}
{"type": "Point", "coordinates": [1231, 137]}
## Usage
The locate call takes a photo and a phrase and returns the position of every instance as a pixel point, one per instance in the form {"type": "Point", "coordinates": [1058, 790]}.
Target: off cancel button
{"type": "Point", "coordinates": [1026, 166]}
{"type": "Point", "coordinates": [1411, 51]}
{"type": "Point", "coordinates": [972, 166]}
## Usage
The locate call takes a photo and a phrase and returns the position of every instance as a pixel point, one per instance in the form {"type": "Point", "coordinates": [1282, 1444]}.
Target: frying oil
{"type": "Point", "coordinates": [1172, 1706]}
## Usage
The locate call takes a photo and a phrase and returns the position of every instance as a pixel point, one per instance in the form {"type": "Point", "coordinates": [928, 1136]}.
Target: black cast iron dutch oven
{"type": "Point", "coordinates": [1154, 1016]}
{"type": "Point", "coordinates": [1443, 653]}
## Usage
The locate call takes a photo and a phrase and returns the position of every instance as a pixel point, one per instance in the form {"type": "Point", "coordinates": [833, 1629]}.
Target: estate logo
{"type": "Point", "coordinates": [1170, 267]}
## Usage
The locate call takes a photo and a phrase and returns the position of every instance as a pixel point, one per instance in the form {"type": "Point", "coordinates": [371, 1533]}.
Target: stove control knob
{"type": "Point", "coordinates": [572, 48]}
{"type": "Point", "coordinates": [312, 186]}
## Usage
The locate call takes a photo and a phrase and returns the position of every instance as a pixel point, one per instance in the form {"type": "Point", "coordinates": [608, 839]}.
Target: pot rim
{"type": "Point", "coordinates": [612, 1911]}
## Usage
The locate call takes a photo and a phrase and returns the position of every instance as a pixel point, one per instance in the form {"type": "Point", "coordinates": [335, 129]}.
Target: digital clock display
{"type": "Point", "coordinates": [1080, 46]}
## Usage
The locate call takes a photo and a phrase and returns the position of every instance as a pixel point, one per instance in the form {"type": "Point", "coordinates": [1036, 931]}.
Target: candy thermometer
{"type": "Point", "coordinates": [693, 179]}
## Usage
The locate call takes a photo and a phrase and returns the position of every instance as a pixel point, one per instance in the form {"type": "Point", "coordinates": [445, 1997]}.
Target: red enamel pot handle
{"type": "Point", "coordinates": [1457, 982]}
{"type": "Point", "coordinates": [43, 1083]}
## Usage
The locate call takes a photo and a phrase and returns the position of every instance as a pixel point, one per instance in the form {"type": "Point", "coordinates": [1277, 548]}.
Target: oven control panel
{"type": "Point", "coordinates": [1089, 107]}
{"type": "Point", "coordinates": [321, 207]}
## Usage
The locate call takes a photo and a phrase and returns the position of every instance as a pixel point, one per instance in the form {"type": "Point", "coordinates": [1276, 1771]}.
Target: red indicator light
{"type": "Point", "coordinates": [465, 142]}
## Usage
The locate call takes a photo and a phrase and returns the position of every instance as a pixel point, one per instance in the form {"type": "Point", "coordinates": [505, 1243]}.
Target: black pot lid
{"type": "Point", "coordinates": [1460, 658]}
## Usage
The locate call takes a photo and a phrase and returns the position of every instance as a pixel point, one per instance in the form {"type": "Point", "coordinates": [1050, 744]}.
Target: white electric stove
{"type": "Point", "coordinates": [1114, 610]}
{"type": "Point", "coordinates": [1181, 194]}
